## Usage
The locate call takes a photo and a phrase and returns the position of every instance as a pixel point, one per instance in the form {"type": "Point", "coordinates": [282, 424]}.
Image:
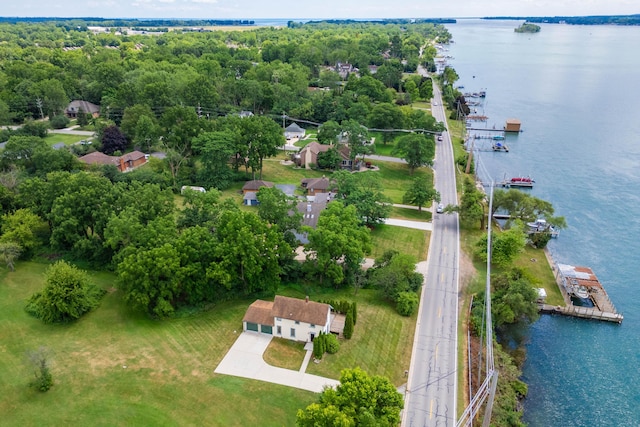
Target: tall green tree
{"type": "Point", "coordinates": [421, 192]}
{"type": "Point", "coordinates": [248, 253]}
{"type": "Point", "coordinates": [67, 295]}
{"type": "Point", "coordinates": [471, 208]}
{"type": "Point", "coordinates": [263, 137]}
{"type": "Point", "coordinates": [416, 149]}
{"type": "Point", "coordinates": [150, 279]}
{"type": "Point", "coordinates": [386, 116]}
{"type": "Point", "coordinates": [338, 244]}
{"type": "Point", "coordinates": [505, 246]}
{"type": "Point", "coordinates": [360, 399]}
{"type": "Point", "coordinates": [24, 228]}
{"type": "Point", "coordinates": [276, 208]}
{"type": "Point", "coordinates": [216, 148]}
{"type": "Point", "coordinates": [513, 298]}
{"type": "Point", "coordinates": [364, 191]}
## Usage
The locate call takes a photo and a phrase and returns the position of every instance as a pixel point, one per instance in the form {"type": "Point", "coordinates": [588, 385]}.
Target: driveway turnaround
{"type": "Point", "coordinates": [244, 359]}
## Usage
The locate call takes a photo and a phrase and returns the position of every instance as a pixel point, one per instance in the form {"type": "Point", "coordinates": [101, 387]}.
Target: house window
{"type": "Point", "coordinates": [278, 319]}
{"type": "Point", "coordinates": [279, 330]}
{"type": "Point", "coordinates": [293, 333]}
{"type": "Point", "coordinates": [297, 322]}
{"type": "Point", "coordinates": [312, 326]}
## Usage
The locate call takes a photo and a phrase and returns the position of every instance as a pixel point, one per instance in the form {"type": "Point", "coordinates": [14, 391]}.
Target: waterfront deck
{"type": "Point", "coordinates": [567, 277]}
{"type": "Point", "coordinates": [582, 312]}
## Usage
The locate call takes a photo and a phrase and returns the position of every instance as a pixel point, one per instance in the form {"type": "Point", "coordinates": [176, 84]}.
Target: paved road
{"type": "Point", "coordinates": [431, 390]}
{"type": "Point", "coordinates": [72, 132]}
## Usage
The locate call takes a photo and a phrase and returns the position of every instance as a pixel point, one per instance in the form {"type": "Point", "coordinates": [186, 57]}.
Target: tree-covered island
{"type": "Point", "coordinates": [526, 27]}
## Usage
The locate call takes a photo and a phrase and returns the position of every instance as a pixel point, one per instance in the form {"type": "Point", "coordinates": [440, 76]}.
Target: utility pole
{"type": "Point", "coordinates": [283, 117]}
{"type": "Point", "coordinates": [469, 158]}
{"type": "Point", "coordinates": [492, 396]}
{"type": "Point", "coordinates": [39, 104]}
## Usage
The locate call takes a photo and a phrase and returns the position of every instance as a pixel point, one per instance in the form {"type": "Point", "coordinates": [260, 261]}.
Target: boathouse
{"type": "Point", "coordinates": [512, 125]}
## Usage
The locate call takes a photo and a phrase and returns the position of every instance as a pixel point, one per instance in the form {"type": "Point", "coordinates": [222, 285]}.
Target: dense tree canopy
{"type": "Point", "coordinates": [338, 244]}
{"type": "Point", "coordinates": [360, 399]}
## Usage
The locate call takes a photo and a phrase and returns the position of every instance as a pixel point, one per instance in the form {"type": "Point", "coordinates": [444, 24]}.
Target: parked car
{"type": "Point", "coordinates": [440, 208]}
{"type": "Point", "coordinates": [439, 137]}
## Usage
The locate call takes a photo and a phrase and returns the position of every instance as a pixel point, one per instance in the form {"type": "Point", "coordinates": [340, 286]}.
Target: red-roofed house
{"type": "Point", "coordinates": [124, 163]}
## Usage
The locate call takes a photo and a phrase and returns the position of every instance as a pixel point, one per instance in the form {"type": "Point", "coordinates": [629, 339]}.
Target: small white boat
{"type": "Point", "coordinates": [581, 291]}
{"type": "Point", "coordinates": [538, 225]}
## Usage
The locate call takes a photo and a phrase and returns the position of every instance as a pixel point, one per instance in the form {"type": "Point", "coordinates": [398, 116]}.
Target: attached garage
{"type": "Point", "coordinates": [266, 329]}
{"type": "Point", "coordinates": [258, 318]}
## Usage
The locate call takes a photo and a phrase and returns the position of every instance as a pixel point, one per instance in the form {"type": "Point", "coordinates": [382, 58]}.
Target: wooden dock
{"type": "Point", "coordinates": [582, 312]}
{"type": "Point", "coordinates": [569, 276]}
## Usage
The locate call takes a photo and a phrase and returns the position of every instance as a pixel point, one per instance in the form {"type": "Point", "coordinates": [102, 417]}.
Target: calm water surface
{"type": "Point", "coordinates": [576, 90]}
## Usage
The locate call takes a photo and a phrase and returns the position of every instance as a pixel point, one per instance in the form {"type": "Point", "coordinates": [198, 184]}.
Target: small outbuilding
{"type": "Point", "coordinates": [294, 131]}
{"type": "Point", "coordinates": [512, 125]}
{"type": "Point", "coordinates": [255, 185]}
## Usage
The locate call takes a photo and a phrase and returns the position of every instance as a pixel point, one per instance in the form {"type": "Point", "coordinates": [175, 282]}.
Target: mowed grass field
{"type": "Point", "coordinates": [115, 367]}
{"type": "Point", "coordinates": [404, 240]}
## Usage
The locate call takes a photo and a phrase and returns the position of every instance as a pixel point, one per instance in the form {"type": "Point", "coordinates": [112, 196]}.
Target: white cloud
{"type": "Point", "coordinates": [205, 1]}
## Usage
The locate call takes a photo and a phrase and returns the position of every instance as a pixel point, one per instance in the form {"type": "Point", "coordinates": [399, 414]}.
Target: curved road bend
{"type": "Point", "coordinates": [431, 394]}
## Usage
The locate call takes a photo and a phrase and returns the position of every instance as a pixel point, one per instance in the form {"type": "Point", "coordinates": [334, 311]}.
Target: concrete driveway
{"type": "Point", "coordinates": [244, 359]}
{"type": "Point", "coordinates": [418, 225]}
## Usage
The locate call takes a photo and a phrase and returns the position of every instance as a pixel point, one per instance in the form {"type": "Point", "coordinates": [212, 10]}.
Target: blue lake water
{"type": "Point", "coordinates": [576, 90]}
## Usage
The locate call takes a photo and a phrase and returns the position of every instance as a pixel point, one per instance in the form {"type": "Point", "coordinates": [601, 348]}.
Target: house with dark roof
{"type": "Point", "coordinates": [308, 156]}
{"type": "Point", "coordinates": [255, 185]}
{"type": "Point", "coordinates": [311, 210]}
{"type": "Point", "coordinates": [294, 131]}
{"type": "Point", "coordinates": [77, 106]}
{"type": "Point", "coordinates": [98, 158]}
{"type": "Point", "coordinates": [318, 185]}
{"type": "Point", "coordinates": [124, 163]}
{"type": "Point", "coordinates": [291, 318]}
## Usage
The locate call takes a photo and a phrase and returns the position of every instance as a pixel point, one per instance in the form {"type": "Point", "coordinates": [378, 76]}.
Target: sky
{"type": "Point", "coordinates": [313, 9]}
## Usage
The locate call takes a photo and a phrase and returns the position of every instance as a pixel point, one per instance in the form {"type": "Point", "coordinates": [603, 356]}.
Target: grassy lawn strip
{"type": "Point", "coordinates": [397, 180]}
{"type": "Point", "coordinates": [54, 138]}
{"type": "Point", "coordinates": [535, 262]}
{"type": "Point", "coordinates": [284, 353]}
{"type": "Point", "coordinates": [410, 214]}
{"type": "Point", "coordinates": [273, 171]}
{"type": "Point", "coordinates": [168, 379]}
{"type": "Point", "coordinates": [404, 240]}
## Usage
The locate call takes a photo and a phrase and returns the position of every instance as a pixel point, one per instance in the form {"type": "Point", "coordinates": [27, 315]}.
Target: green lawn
{"type": "Point", "coordinates": [285, 353]}
{"type": "Point", "coordinates": [404, 240]}
{"type": "Point", "coordinates": [396, 178]}
{"type": "Point", "coordinates": [54, 138]}
{"type": "Point", "coordinates": [384, 150]}
{"type": "Point", "coordinates": [275, 172]}
{"type": "Point", "coordinates": [410, 214]}
{"type": "Point", "coordinates": [421, 105]}
{"type": "Point", "coordinates": [116, 367]}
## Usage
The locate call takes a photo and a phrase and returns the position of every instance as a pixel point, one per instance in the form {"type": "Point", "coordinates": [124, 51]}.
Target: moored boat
{"type": "Point", "coordinates": [519, 181]}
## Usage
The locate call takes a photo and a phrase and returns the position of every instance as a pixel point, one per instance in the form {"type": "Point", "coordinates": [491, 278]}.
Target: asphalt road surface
{"type": "Point", "coordinates": [430, 398]}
